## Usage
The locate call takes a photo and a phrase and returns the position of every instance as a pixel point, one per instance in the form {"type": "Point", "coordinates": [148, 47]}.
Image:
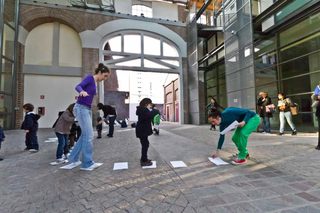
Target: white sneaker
{"type": "Point", "coordinates": [76, 163]}
{"type": "Point", "coordinates": [65, 156]}
{"type": "Point", "coordinates": [33, 150]}
{"type": "Point", "coordinates": [92, 167]}
{"type": "Point", "coordinates": [264, 132]}
{"type": "Point", "coordinates": [60, 160]}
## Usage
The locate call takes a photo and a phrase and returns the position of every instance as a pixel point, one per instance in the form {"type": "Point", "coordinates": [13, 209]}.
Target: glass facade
{"type": "Point", "coordinates": [289, 62]}
{"type": "Point", "coordinates": [8, 41]}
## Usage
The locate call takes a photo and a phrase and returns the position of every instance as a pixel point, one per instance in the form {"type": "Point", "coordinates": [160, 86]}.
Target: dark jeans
{"type": "Point", "coordinates": [72, 139]}
{"type": "Point", "coordinates": [111, 125]}
{"type": "Point", "coordinates": [266, 124]}
{"type": "Point", "coordinates": [32, 140]}
{"type": "Point", "coordinates": [63, 146]}
{"type": "Point", "coordinates": [319, 131]}
{"type": "Point", "coordinates": [99, 133]}
{"type": "Point", "coordinates": [144, 150]}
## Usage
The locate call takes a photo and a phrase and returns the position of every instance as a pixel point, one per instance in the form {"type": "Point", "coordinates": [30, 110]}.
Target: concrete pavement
{"type": "Point", "coordinates": [281, 176]}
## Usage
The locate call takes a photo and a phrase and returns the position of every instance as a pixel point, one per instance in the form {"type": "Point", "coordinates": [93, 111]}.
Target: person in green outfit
{"type": "Point", "coordinates": [248, 122]}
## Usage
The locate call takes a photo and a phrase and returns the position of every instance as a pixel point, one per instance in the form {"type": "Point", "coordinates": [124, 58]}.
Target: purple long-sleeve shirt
{"type": "Point", "coordinates": [88, 85]}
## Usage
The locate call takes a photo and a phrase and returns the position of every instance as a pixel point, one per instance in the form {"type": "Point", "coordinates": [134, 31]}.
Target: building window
{"type": "Point", "coordinates": [142, 10]}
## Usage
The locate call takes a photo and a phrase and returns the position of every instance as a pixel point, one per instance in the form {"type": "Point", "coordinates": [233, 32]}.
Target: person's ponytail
{"type": "Point", "coordinates": [102, 68]}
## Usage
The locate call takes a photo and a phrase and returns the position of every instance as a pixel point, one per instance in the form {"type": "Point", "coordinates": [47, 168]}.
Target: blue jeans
{"type": "Point", "coordinates": [63, 146]}
{"type": "Point", "coordinates": [266, 124]}
{"type": "Point", "coordinates": [111, 125]}
{"type": "Point", "coordinates": [84, 143]}
{"type": "Point", "coordinates": [288, 117]}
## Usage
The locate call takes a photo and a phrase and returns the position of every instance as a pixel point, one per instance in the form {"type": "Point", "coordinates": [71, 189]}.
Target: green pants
{"type": "Point", "coordinates": [240, 136]}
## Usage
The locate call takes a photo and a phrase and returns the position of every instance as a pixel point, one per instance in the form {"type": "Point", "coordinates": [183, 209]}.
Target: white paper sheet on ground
{"type": "Point", "coordinates": [230, 127]}
{"type": "Point", "coordinates": [70, 166]}
{"type": "Point", "coordinates": [50, 141]}
{"type": "Point", "coordinates": [218, 161]}
{"type": "Point", "coordinates": [53, 139]}
{"type": "Point", "coordinates": [124, 130]}
{"type": "Point", "coordinates": [153, 166]}
{"type": "Point", "coordinates": [56, 163]}
{"type": "Point", "coordinates": [119, 166]}
{"type": "Point", "coordinates": [178, 164]}
{"type": "Point", "coordinates": [98, 164]}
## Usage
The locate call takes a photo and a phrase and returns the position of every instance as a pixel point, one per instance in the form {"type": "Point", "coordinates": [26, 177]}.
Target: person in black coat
{"type": "Point", "coordinates": [318, 115]}
{"type": "Point", "coordinates": [30, 125]}
{"type": "Point", "coordinates": [262, 103]}
{"type": "Point", "coordinates": [145, 114]}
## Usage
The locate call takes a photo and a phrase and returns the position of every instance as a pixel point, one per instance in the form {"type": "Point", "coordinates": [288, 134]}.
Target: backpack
{"type": "Point", "coordinates": [294, 109]}
{"type": "Point", "coordinates": [59, 115]}
{"type": "Point", "coordinates": [123, 124]}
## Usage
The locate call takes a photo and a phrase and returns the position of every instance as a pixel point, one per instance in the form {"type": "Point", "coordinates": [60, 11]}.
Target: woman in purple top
{"type": "Point", "coordinates": [82, 110]}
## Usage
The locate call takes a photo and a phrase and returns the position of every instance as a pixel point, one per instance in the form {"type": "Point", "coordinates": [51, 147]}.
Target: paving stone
{"type": "Point", "coordinates": [212, 201]}
{"type": "Point", "coordinates": [305, 209]}
{"type": "Point", "coordinates": [292, 179]}
{"type": "Point", "coordinates": [259, 193]}
{"type": "Point", "coordinates": [189, 210]}
{"type": "Point", "coordinates": [282, 189]}
{"type": "Point", "coordinates": [234, 198]}
{"type": "Point", "coordinates": [242, 208]}
{"type": "Point", "coordinates": [270, 204]}
{"type": "Point", "coordinates": [258, 183]}
{"type": "Point", "coordinates": [206, 191]}
{"type": "Point", "coordinates": [146, 209]}
{"type": "Point", "coordinates": [308, 197]}
{"type": "Point", "coordinates": [176, 209]}
{"type": "Point", "coordinates": [181, 201]}
{"type": "Point", "coordinates": [254, 176]}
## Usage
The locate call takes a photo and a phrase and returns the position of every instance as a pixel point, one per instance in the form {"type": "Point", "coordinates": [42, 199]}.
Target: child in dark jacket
{"type": "Point", "coordinates": [145, 114]}
{"type": "Point", "coordinates": [30, 125]}
{"type": "Point", "coordinates": [99, 127]}
{"type": "Point", "coordinates": [2, 138]}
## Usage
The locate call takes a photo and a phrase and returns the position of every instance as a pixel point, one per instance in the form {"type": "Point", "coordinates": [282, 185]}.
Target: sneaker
{"type": "Point", "coordinates": [60, 160]}
{"type": "Point", "coordinates": [92, 167]}
{"type": "Point", "coordinates": [1, 159]}
{"type": "Point", "coordinates": [76, 163]}
{"type": "Point", "coordinates": [98, 137]}
{"type": "Point", "coordinates": [294, 133]}
{"type": "Point", "coordinates": [148, 163]}
{"type": "Point", "coordinates": [263, 132]}
{"type": "Point", "coordinates": [66, 156]}
{"type": "Point", "coordinates": [108, 136]}
{"type": "Point", "coordinates": [26, 149]}
{"type": "Point", "coordinates": [317, 147]}
{"type": "Point", "coordinates": [236, 155]}
{"type": "Point", "coordinates": [280, 134]}
{"type": "Point", "coordinates": [239, 161]}
{"type": "Point", "coordinates": [33, 150]}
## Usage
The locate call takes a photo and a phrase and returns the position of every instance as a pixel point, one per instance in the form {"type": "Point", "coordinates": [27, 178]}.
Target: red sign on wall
{"type": "Point", "coordinates": [41, 96]}
{"type": "Point", "coordinates": [76, 97]}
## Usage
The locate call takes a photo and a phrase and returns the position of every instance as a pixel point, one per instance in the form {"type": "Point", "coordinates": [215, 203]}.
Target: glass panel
{"type": "Point", "coordinates": [5, 121]}
{"type": "Point", "coordinates": [133, 63]}
{"type": "Point", "coordinates": [271, 89]}
{"type": "Point", "coordinates": [6, 76]}
{"type": "Point", "coordinates": [210, 74]}
{"type": "Point", "coordinates": [222, 79]}
{"type": "Point", "coordinates": [265, 61]}
{"type": "Point", "coordinates": [5, 103]}
{"type": "Point", "coordinates": [222, 89]}
{"type": "Point", "coordinates": [169, 50]}
{"type": "Point", "coordinates": [223, 101]}
{"type": "Point", "coordinates": [304, 28]}
{"type": "Point", "coordinates": [172, 62]}
{"type": "Point", "coordinates": [9, 10]}
{"type": "Point", "coordinates": [212, 91]}
{"type": "Point", "coordinates": [114, 44]}
{"type": "Point", "coordinates": [221, 69]}
{"type": "Point", "coordinates": [212, 82]}
{"type": "Point", "coordinates": [221, 54]}
{"type": "Point", "coordinates": [151, 64]}
{"type": "Point", "coordinates": [142, 10]}
{"type": "Point", "coordinates": [151, 45]}
{"type": "Point", "coordinates": [8, 42]}
{"type": "Point", "coordinates": [290, 9]}
{"type": "Point", "coordinates": [265, 46]}
{"type": "Point", "coordinates": [211, 43]}
{"type": "Point", "coordinates": [132, 43]}
{"type": "Point", "coordinates": [310, 63]}
{"type": "Point", "coordinates": [305, 46]}
{"type": "Point", "coordinates": [300, 84]}
{"type": "Point", "coordinates": [212, 59]}
{"type": "Point", "coordinates": [266, 75]}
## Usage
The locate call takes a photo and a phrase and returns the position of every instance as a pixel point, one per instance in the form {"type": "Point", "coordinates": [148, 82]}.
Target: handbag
{"type": "Point", "coordinates": [294, 109]}
{"type": "Point", "coordinates": [315, 104]}
{"type": "Point", "coordinates": [270, 108]}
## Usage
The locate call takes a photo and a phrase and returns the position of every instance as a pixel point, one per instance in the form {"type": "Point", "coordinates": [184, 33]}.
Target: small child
{"type": "Point", "coordinates": [156, 121]}
{"type": "Point", "coordinates": [99, 127]}
{"type": "Point", "coordinates": [2, 138]}
{"type": "Point", "coordinates": [30, 125]}
{"type": "Point", "coordinates": [145, 114]}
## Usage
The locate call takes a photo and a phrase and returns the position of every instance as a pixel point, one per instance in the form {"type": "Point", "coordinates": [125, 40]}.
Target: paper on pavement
{"type": "Point", "coordinates": [218, 161]}
{"type": "Point", "coordinates": [230, 127]}
{"type": "Point", "coordinates": [119, 166]}
{"type": "Point", "coordinates": [153, 166]}
{"type": "Point", "coordinates": [178, 164]}
{"type": "Point", "coordinates": [70, 166]}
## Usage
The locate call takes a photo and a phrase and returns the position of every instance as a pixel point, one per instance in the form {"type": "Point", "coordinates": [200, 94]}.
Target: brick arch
{"type": "Point", "coordinates": [31, 18]}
